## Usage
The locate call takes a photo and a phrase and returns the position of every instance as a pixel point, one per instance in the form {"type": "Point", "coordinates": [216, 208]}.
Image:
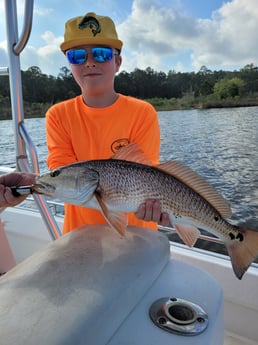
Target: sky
{"type": "Point", "coordinates": [166, 35]}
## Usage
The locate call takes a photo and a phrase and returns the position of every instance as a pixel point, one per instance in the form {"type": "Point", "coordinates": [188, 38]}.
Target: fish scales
{"type": "Point", "coordinates": [126, 184]}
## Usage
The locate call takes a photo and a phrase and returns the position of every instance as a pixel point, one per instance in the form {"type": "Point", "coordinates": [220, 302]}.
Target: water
{"type": "Point", "coordinates": [36, 129]}
{"type": "Point", "coordinates": [220, 144]}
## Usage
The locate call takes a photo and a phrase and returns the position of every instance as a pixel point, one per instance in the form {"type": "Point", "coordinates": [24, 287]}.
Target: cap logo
{"type": "Point", "coordinates": [92, 23]}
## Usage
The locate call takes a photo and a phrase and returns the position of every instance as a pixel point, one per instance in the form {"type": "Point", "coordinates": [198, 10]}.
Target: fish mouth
{"type": "Point", "coordinates": [43, 188]}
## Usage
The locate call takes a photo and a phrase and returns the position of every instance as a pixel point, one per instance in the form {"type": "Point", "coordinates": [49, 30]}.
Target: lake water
{"type": "Point", "coordinates": [220, 144]}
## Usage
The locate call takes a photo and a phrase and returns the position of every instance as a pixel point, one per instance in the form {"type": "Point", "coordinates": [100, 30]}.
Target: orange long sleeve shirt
{"type": "Point", "coordinates": [76, 132]}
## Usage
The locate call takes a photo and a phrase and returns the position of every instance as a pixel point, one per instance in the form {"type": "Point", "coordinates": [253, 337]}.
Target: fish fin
{"type": "Point", "coordinates": [188, 234]}
{"type": "Point", "coordinates": [133, 153]}
{"type": "Point", "coordinates": [198, 184]}
{"type": "Point", "coordinates": [243, 250]}
{"type": "Point", "coordinates": [117, 220]}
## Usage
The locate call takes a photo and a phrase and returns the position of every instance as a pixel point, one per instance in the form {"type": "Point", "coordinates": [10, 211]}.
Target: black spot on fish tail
{"type": "Point", "coordinates": [240, 237]}
{"type": "Point", "coordinates": [232, 236]}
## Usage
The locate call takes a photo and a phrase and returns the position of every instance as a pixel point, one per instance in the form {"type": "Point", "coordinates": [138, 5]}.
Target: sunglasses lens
{"type": "Point", "coordinates": [76, 56]}
{"type": "Point", "coordinates": [102, 54]}
{"type": "Point", "coordinates": [99, 54]}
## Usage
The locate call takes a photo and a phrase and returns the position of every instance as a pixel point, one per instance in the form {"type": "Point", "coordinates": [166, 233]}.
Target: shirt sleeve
{"type": "Point", "coordinates": [147, 133]}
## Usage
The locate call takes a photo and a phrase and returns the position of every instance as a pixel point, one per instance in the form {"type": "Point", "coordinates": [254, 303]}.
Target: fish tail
{"type": "Point", "coordinates": [243, 250]}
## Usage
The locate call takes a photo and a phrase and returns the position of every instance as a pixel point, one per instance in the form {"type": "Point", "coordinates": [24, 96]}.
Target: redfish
{"type": "Point", "coordinates": [118, 186]}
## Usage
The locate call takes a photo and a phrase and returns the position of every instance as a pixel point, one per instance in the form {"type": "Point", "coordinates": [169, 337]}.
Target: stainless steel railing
{"type": "Point", "coordinates": [26, 155]}
{"type": "Point", "coordinates": [169, 230]}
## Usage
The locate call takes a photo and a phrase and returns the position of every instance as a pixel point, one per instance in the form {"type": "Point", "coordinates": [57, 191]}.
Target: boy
{"type": "Point", "coordinates": [97, 123]}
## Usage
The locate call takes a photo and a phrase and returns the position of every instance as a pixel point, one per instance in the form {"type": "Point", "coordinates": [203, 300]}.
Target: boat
{"type": "Point", "coordinates": [93, 287]}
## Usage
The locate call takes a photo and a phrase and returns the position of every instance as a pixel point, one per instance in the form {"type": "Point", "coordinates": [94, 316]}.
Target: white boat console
{"type": "Point", "coordinates": [93, 287]}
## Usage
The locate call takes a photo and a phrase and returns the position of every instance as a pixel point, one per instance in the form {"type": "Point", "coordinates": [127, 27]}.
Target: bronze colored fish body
{"type": "Point", "coordinates": [117, 187]}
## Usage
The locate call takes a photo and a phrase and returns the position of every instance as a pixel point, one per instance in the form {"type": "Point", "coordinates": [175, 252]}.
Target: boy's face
{"type": "Point", "coordinates": [93, 76]}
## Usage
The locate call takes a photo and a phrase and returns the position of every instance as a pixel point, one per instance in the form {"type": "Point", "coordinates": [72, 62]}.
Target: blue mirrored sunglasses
{"type": "Point", "coordinates": [80, 55]}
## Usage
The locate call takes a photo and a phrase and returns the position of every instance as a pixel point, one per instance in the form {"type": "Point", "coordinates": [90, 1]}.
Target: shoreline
{"type": "Point", "coordinates": [159, 105]}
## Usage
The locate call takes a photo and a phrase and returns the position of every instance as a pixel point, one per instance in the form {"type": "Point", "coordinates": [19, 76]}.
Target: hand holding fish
{"type": "Point", "coordinates": [9, 180]}
{"type": "Point", "coordinates": [151, 211]}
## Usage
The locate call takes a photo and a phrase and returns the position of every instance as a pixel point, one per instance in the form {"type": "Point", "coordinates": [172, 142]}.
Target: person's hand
{"type": "Point", "coordinates": [10, 180]}
{"type": "Point", "coordinates": [151, 211]}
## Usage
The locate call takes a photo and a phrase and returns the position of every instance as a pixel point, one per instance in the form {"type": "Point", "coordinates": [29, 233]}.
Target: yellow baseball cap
{"type": "Point", "coordinates": [90, 29]}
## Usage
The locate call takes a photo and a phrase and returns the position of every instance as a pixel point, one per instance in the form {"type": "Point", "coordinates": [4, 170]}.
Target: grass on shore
{"type": "Point", "coordinates": [160, 104]}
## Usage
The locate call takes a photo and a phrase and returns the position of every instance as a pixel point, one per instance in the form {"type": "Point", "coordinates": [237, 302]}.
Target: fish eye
{"type": "Point", "coordinates": [55, 173]}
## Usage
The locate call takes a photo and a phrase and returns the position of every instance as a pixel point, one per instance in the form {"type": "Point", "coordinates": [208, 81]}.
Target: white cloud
{"type": "Point", "coordinates": [48, 55]}
{"type": "Point", "coordinates": [140, 60]}
{"type": "Point", "coordinates": [227, 40]}
{"type": "Point", "coordinates": [41, 11]}
{"type": "Point", "coordinates": [156, 33]}
{"type": "Point", "coordinates": [52, 44]}
{"type": "Point", "coordinates": [3, 57]}
{"type": "Point", "coordinates": [155, 28]}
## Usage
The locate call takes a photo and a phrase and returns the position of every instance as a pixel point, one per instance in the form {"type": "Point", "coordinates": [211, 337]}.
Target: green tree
{"type": "Point", "coordinates": [249, 68]}
{"type": "Point", "coordinates": [35, 85]}
{"type": "Point", "coordinates": [228, 88]}
{"type": "Point", "coordinates": [124, 84]}
{"type": "Point", "coordinates": [64, 72]}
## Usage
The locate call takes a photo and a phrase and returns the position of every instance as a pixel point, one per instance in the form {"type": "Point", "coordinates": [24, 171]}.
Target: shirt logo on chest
{"type": "Point", "coordinates": [118, 144]}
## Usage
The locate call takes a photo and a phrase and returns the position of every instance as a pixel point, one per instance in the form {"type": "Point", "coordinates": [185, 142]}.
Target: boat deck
{"type": "Point", "coordinates": [232, 339]}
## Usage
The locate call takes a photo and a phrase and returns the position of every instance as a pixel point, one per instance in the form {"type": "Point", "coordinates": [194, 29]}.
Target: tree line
{"type": "Point", "coordinates": [204, 88]}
